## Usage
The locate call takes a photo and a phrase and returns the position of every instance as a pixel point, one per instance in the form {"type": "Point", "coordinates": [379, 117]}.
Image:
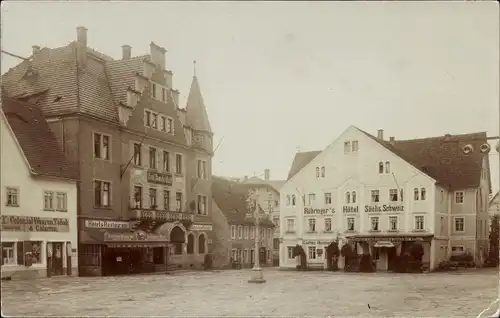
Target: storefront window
{"type": "Point", "coordinates": [8, 253]}
{"type": "Point", "coordinates": [90, 255]}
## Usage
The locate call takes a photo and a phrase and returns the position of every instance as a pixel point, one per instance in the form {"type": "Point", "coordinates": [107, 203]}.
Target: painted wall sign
{"type": "Point", "coordinates": [201, 227]}
{"type": "Point", "coordinates": [384, 208]}
{"type": "Point", "coordinates": [168, 216]}
{"type": "Point", "coordinates": [135, 236]}
{"type": "Point", "coordinates": [102, 224]}
{"type": "Point", "coordinates": [322, 211]}
{"type": "Point", "coordinates": [17, 223]}
{"type": "Point", "coordinates": [391, 238]}
{"type": "Point", "coordinates": [305, 242]}
{"type": "Point", "coordinates": [350, 209]}
{"type": "Point", "coordinates": [159, 178]}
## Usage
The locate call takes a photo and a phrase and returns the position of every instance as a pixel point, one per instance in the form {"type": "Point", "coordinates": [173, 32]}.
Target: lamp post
{"type": "Point", "coordinates": [257, 276]}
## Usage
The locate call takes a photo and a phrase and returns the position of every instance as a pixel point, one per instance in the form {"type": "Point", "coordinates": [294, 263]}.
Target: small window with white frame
{"type": "Point", "coordinates": [347, 197]}
{"type": "Point", "coordinates": [387, 167]}
{"type": "Point", "coordinates": [290, 225]}
{"type": "Point", "coordinates": [353, 196]}
{"type": "Point", "coordinates": [347, 147]}
{"type": "Point", "coordinates": [416, 194]}
{"type": "Point", "coordinates": [375, 226]}
{"type": "Point", "coordinates": [328, 198]}
{"type": "Point", "coordinates": [240, 232]}
{"type": "Point", "coordinates": [312, 225]}
{"type": "Point", "coordinates": [350, 224]}
{"type": "Point", "coordinates": [288, 201]}
{"type": "Point", "coordinates": [101, 146]}
{"type": "Point", "coordinates": [422, 194]}
{"type": "Point", "coordinates": [459, 224]}
{"type": "Point", "coordinates": [375, 196]}
{"type": "Point", "coordinates": [8, 256]}
{"type": "Point", "coordinates": [233, 232]}
{"type": "Point", "coordinates": [419, 223]}
{"type": "Point", "coordinates": [61, 201]}
{"type": "Point", "coordinates": [328, 224]}
{"type": "Point", "coordinates": [457, 249]}
{"type": "Point", "coordinates": [12, 195]}
{"type": "Point", "coordinates": [355, 146]}
{"type": "Point", "coordinates": [317, 172]}
{"type": "Point", "coordinates": [312, 252]}
{"type": "Point", "coordinates": [323, 172]}
{"type": "Point", "coordinates": [393, 223]}
{"type": "Point", "coordinates": [290, 252]}
{"type": "Point", "coordinates": [459, 197]}
{"type": "Point", "coordinates": [48, 201]}
{"type": "Point", "coordinates": [393, 195]}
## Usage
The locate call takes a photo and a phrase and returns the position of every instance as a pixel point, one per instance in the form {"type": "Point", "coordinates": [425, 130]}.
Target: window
{"type": "Point", "coordinates": [276, 203]}
{"type": "Point", "coordinates": [276, 221]}
{"type": "Point", "coordinates": [393, 195]}
{"type": "Point", "coordinates": [416, 194]}
{"type": "Point", "coordinates": [401, 195]}
{"type": "Point", "coordinates": [166, 200]}
{"type": "Point", "coordinates": [166, 161]}
{"type": "Point", "coordinates": [328, 224]}
{"type": "Point", "coordinates": [317, 172]}
{"type": "Point", "coordinates": [287, 199]}
{"type": "Point", "coordinates": [419, 223]}
{"type": "Point", "coordinates": [422, 194]}
{"type": "Point", "coordinates": [170, 125]}
{"type": "Point", "coordinates": [350, 224]}
{"type": "Point", "coordinates": [240, 232]}
{"type": "Point", "coordinates": [312, 252]}
{"type": "Point", "coordinates": [178, 201]}
{"type": "Point", "coordinates": [457, 249]}
{"type": "Point", "coordinates": [312, 198]}
{"type": "Point", "coordinates": [459, 224]}
{"type": "Point", "coordinates": [375, 223]}
{"type": "Point", "coordinates": [137, 154]}
{"type": "Point", "coordinates": [312, 225]}
{"type": "Point", "coordinates": [293, 200]}
{"type": "Point", "coordinates": [48, 202]}
{"type": "Point", "coordinates": [137, 197]}
{"type": "Point", "coordinates": [355, 146]}
{"type": "Point", "coordinates": [393, 223]}
{"type": "Point", "coordinates": [290, 225]}
{"type": "Point", "coordinates": [33, 247]}
{"type": "Point", "coordinates": [163, 123]}
{"type": "Point", "coordinates": [233, 232]}
{"type": "Point", "coordinates": [202, 165]}
{"type": "Point", "coordinates": [163, 94]}
{"type": "Point", "coordinates": [153, 204]}
{"type": "Point", "coordinates": [245, 232]}
{"type": "Point", "coordinates": [353, 196]}
{"type": "Point", "coordinates": [178, 163]}
{"type": "Point", "coordinates": [152, 158]}
{"type": "Point", "coordinates": [328, 198]}
{"type": "Point", "coordinates": [102, 193]}
{"type": "Point", "coordinates": [290, 252]}
{"type": "Point", "coordinates": [147, 118]}
{"type": "Point", "coordinates": [347, 147]}
{"type": "Point", "coordinates": [61, 201]}
{"type": "Point", "coordinates": [8, 253]}
{"type": "Point", "coordinates": [380, 167]}
{"type": "Point", "coordinates": [252, 232]}
{"type": "Point", "coordinates": [12, 197]}
{"type": "Point", "coordinates": [348, 197]}
{"type": "Point", "coordinates": [441, 230]}
{"type": "Point", "coordinates": [153, 90]}
{"type": "Point", "coordinates": [154, 120]}
{"type": "Point", "coordinates": [375, 196]}
{"type": "Point", "coordinates": [459, 197]}
{"type": "Point", "coordinates": [322, 172]}
{"type": "Point", "coordinates": [387, 167]}
{"type": "Point", "coordinates": [101, 146]}
{"type": "Point", "coordinates": [202, 204]}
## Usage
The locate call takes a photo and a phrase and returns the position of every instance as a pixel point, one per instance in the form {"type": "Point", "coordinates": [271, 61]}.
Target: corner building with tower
{"type": "Point", "coordinates": [381, 196]}
{"type": "Point", "coordinates": [144, 163]}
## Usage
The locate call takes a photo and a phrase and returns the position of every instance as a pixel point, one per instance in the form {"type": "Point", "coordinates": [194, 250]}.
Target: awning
{"type": "Point", "coordinates": [117, 239]}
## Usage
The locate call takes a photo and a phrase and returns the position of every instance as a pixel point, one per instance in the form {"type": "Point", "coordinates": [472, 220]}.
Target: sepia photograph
{"type": "Point", "coordinates": [250, 158]}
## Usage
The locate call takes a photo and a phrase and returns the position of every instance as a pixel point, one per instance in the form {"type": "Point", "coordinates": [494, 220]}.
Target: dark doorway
{"type": "Point", "coordinates": [262, 256]}
{"type": "Point", "coordinates": [391, 258]}
{"type": "Point", "coordinates": [177, 237]}
{"type": "Point", "coordinates": [57, 258]}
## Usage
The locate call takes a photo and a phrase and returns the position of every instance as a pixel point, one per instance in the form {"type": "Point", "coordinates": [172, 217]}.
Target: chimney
{"type": "Point", "coordinates": [392, 140]}
{"type": "Point", "coordinates": [380, 134]}
{"type": "Point", "coordinates": [245, 178]}
{"type": "Point", "coordinates": [126, 52]}
{"type": "Point", "coordinates": [36, 49]}
{"type": "Point", "coordinates": [175, 96]}
{"type": "Point", "coordinates": [81, 46]}
{"type": "Point", "coordinates": [157, 55]}
{"type": "Point", "coordinates": [267, 174]}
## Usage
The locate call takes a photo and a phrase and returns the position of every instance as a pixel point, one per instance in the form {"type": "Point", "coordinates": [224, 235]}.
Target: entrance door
{"type": "Point", "coordinates": [57, 258]}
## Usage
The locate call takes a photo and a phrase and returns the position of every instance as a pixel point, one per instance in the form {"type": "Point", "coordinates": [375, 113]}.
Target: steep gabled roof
{"type": "Point", "coordinates": [197, 117]}
{"type": "Point", "coordinates": [274, 184]}
{"type": "Point", "coordinates": [38, 143]}
{"type": "Point", "coordinates": [300, 161]}
{"type": "Point", "coordinates": [231, 198]}
{"type": "Point", "coordinates": [441, 158]}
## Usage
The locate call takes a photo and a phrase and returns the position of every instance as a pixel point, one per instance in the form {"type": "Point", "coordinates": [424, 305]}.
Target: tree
{"type": "Point", "coordinates": [494, 241]}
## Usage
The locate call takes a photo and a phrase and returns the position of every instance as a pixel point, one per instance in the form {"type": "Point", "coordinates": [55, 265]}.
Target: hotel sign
{"type": "Point", "coordinates": [159, 178]}
{"type": "Point", "coordinates": [350, 209]}
{"type": "Point", "coordinates": [201, 227]}
{"type": "Point", "coordinates": [322, 211]}
{"type": "Point", "coordinates": [168, 216]}
{"type": "Point", "coordinates": [103, 224]}
{"type": "Point", "coordinates": [17, 223]}
{"type": "Point", "coordinates": [384, 208]}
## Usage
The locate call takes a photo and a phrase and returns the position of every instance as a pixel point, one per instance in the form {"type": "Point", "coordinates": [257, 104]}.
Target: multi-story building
{"type": "Point", "coordinates": [38, 198]}
{"type": "Point", "coordinates": [383, 195]}
{"type": "Point", "coordinates": [269, 197]}
{"type": "Point", "coordinates": [234, 224]}
{"type": "Point", "coordinates": [144, 163]}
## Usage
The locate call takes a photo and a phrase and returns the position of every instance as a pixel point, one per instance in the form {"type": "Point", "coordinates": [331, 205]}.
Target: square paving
{"type": "Point", "coordinates": [227, 293]}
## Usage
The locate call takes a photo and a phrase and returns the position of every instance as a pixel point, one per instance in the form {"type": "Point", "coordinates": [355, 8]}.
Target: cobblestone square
{"type": "Point", "coordinates": [286, 293]}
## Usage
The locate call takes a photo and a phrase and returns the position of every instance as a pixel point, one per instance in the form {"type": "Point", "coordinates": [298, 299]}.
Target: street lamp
{"type": "Point", "coordinates": [257, 276]}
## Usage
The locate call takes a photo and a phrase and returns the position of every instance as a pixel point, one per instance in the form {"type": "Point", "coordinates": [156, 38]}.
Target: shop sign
{"type": "Point", "coordinates": [350, 209]}
{"type": "Point", "coordinates": [384, 208]}
{"type": "Point", "coordinates": [135, 236]}
{"type": "Point", "coordinates": [305, 242]}
{"type": "Point", "coordinates": [383, 244]}
{"type": "Point", "coordinates": [17, 223]}
{"type": "Point", "coordinates": [322, 211]}
{"type": "Point", "coordinates": [168, 216]}
{"type": "Point", "coordinates": [159, 178]}
{"type": "Point", "coordinates": [102, 224]}
{"type": "Point", "coordinates": [201, 227]}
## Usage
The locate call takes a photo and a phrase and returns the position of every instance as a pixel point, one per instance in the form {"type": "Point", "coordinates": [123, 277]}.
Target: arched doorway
{"type": "Point", "coordinates": [177, 238]}
{"type": "Point", "coordinates": [190, 244]}
{"type": "Point", "coordinates": [298, 251]}
{"type": "Point", "coordinates": [202, 244]}
{"type": "Point", "coordinates": [332, 255]}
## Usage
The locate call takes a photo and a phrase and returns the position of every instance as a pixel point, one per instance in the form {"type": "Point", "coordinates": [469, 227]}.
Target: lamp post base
{"type": "Point", "coordinates": [257, 276]}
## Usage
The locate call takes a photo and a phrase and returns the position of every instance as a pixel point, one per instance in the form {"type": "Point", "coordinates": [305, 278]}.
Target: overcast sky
{"type": "Point", "coordinates": [282, 76]}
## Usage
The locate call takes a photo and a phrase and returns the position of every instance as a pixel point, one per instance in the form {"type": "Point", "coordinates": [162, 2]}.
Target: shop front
{"type": "Point", "coordinates": [37, 247]}
{"type": "Point", "coordinates": [386, 249]}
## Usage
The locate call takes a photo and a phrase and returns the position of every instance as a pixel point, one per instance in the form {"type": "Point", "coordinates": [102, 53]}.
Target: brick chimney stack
{"type": "Point", "coordinates": [36, 49]}
{"type": "Point", "coordinates": [380, 134]}
{"type": "Point", "coordinates": [126, 52]}
{"type": "Point", "coordinates": [267, 174]}
{"type": "Point", "coordinates": [81, 45]}
{"type": "Point", "coordinates": [158, 55]}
